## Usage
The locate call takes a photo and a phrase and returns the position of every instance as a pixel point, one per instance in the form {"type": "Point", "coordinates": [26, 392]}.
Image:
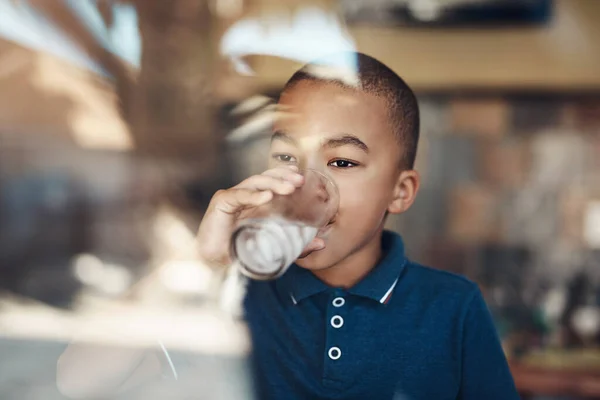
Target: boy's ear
{"type": "Point", "coordinates": [405, 191]}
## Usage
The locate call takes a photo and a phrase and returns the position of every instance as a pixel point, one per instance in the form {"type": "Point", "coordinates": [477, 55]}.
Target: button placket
{"type": "Point", "coordinates": [334, 349]}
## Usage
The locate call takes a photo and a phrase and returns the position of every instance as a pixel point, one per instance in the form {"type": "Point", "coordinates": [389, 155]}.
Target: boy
{"type": "Point", "coordinates": [354, 318]}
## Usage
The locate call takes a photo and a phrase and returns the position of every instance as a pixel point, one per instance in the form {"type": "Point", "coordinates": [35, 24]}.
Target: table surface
{"type": "Point", "coordinates": [553, 381]}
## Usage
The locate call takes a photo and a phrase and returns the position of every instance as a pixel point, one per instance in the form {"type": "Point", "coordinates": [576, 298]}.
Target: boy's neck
{"type": "Point", "coordinates": [355, 267]}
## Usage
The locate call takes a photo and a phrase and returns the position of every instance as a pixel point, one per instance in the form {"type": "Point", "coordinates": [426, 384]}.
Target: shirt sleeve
{"type": "Point", "coordinates": [485, 371]}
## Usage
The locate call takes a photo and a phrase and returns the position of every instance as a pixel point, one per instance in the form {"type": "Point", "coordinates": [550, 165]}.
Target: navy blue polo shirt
{"type": "Point", "coordinates": [404, 332]}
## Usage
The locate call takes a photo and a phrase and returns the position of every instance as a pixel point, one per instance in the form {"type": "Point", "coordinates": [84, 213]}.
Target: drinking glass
{"type": "Point", "coordinates": [271, 237]}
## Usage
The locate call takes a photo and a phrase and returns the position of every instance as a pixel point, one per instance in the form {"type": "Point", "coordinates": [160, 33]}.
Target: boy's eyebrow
{"type": "Point", "coordinates": [346, 140]}
{"type": "Point", "coordinates": [339, 141]}
{"type": "Point", "coordinates": [280, 135]}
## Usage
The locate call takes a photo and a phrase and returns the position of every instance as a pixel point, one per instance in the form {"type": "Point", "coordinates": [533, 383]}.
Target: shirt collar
{"type": "Point", "coordinates": [379, 284]}
{"type": "Point", "coordinates": [298, 283]}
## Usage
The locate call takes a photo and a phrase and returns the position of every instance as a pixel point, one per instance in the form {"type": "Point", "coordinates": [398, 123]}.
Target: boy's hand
{"type": "Point", "coordinates": [227, 206]}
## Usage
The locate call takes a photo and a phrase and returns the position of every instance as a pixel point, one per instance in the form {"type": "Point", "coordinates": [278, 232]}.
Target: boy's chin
{"type": "Point", "coordinates": [316, 260]}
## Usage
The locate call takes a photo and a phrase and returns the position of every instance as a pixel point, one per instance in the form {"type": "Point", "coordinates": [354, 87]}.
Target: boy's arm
{"type": "Point", "coordinates": [485, 371]}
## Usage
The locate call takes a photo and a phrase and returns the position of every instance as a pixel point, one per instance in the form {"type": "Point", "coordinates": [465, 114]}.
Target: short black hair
{"type": "Point", "coordinates": [376, 78]}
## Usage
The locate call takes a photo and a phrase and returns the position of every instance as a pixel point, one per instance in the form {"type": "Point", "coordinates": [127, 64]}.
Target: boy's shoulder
{"type": "Point", "coordinates": [439, 282]}
{"type": "Point", "coordinates": [437, 298]}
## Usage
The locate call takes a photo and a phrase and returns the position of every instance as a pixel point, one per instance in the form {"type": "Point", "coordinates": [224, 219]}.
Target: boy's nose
{"type": "Point", "coordinates": [312, 161]}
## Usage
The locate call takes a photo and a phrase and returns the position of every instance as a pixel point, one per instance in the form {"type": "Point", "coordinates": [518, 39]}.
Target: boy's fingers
{"type": "Point", "coordinates": [258, 189]}
{"type": "Point", "coordinates": [289, 174]}
{"type": "Point", "coordinates": [232, 200]}
{"type": "Point", "coordinates": [265, 182]}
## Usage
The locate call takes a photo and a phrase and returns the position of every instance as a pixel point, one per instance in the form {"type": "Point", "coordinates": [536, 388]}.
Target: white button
{"type": "Point", "coordinates": [335, 353]}
{"type": "Point", "coordinates": [338, 302]}
{"type": "Point", "coordinates": [337, 321]}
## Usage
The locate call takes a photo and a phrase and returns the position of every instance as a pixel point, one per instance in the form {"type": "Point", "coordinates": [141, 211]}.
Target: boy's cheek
{"type": "Point", "coordinates": [361, 205]}
{"type": "Point", "coordinates": [357, 207]}
{"type": "Point", "coordinates": [357, 196]}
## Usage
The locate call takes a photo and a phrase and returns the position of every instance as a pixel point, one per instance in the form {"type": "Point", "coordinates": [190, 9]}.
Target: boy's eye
{"type": "Point", "coordinates": [284, 158]}
{"type": "Point", "coordinates": [342, 164]}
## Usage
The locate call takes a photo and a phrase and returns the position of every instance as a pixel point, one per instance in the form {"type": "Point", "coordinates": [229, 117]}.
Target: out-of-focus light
{"type": "Point", "coordinates": [591, 229]}
{"type": "Point", "coordinates": [586, 321]}
{"type": "Point", "coordinates": [175, 250]}
{"type": "Point", "coordinates": [22, 23]}
{"type": "Point", "coordinates": [430, 10]}
{"type": "Point", "coordinates": [233, 292]}
{"type": "Point", "coordinates": [186, 277]}
{"type": "Point", "coordinates": [116, 279]}
{"type": "Point", "coordinates": [196, 329]}
{"type": "Point", "coordinates": [252, 104]}
{"type": "Point", "coordinates": [89, 133]}
{"type": "Point", "coordinates": [109, 279]}
{"type": "Point", "coordinates": [569, 38]}
{"type": "Point", "coordinates": [173, 236]}
{"type": "Point", "coordinates": [258, 124]}
{"type": "Point", "coordinates": [228, 8]}
{"type": "Point", "coordinates": [88, 269]}
{"type": "Point", "coordinates": [94, 120]}
{"type": "Point", "coordinates": [311, 34]}
{"type": "Point", "coordinates": [554, 304]}
{"type": "Point", "coordinates": [340, 69]}
{"type": "Point", "coordinates": [122, 37]}
{"type": "Point", "coordinates": [425, 10]}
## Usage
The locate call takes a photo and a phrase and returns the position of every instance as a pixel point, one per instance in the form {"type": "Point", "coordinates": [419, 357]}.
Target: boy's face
{"type": "Point", "coordinates": [347, 134]}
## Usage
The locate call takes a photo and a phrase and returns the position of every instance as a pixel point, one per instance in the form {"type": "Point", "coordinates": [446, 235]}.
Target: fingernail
{"type": "Point", "coordinates": [288, 186]}
{"type": "Point", "coordinates": [266, 195]}
{"type": "Point", "coordinates": [297, 177]}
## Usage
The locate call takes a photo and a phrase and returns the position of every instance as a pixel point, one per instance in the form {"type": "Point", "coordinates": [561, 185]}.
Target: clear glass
{"type": "Point", "coordinates": [271, 237]}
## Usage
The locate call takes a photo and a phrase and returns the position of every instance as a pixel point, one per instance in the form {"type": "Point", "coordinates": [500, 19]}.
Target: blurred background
{"type": "Point", "coordinates": [120, 118]}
